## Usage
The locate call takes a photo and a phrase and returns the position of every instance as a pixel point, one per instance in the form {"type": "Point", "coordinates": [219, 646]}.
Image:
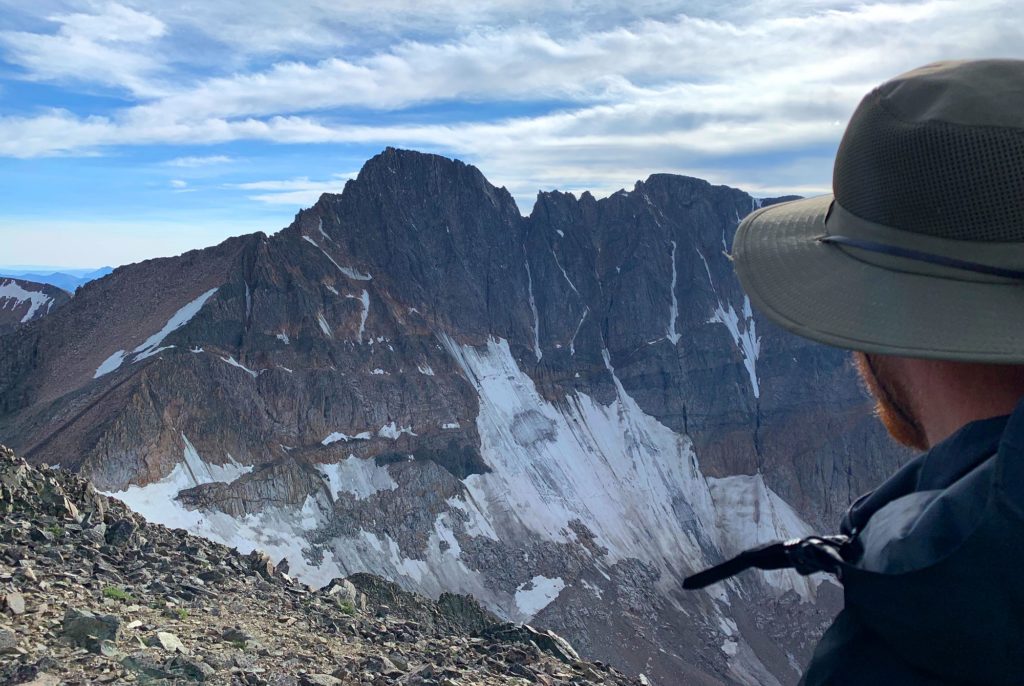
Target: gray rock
{"type": "Point", "coordinates": [44, 680]}
{"type": "Point", "coordinates": [399, 661]}
{"type": "Point", "coordinates": [236, 635]}
{"type": "Point", "coordinates": [342, 589]}
{"type": "Point", "coordinates": [319, 680]}
{"type": "Point", "coordinates": [167, 641]}
{"type": "Point", "coordinates": [147, 666]}
{"type": "Point", "coordinates": [190, 669]}
{"type": "Point", "coordinates": [15, 602]}
{"type": "Point", "coordinates": [8, 641]}
{"type": "Point", "coordinates": [88, 630]}
{"type": "Point", "coordinates": [120, 532]}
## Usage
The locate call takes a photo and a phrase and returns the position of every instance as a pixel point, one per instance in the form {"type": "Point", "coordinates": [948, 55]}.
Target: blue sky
{"type": "Point", "coordinates": [142, 128]}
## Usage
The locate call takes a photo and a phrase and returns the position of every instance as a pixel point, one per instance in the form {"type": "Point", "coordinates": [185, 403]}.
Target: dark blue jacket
{"type": "Point", "coordinates": [934, 576]}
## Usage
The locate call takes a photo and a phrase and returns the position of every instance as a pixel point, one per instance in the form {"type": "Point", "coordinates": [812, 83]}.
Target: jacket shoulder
{"type": "Point", "coordinates": [851, 655]}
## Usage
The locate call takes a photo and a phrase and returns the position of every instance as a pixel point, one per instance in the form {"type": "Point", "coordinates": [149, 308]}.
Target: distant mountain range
{"type": "Point", "coordinates": [64, 278]}
{"type": "Point", "coordinates": [562, 414]}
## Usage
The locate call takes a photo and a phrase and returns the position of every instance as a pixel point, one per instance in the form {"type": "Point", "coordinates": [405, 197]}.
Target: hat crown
{"type": "Point", "coordinates": [939, 151]}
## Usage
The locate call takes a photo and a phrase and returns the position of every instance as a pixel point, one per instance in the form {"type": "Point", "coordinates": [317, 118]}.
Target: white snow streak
{"type": "Point", "coordinates": [350, 272]}
{"type": "Point", "coordinates": [339, 436]}
{"type": "Point", "coordinates": [151, 346]}
{"type": "Point", "coordinates": [353, 273]}
{"type": "Point", "coordinates": [393, 431]}
{"type": "Point", "coordinates": [235, 363]}
{"type": "Point", "coordinates": [533, 308]}
{"type": "Point", "coordinates": [673, 336]}
{"type": "Point", "coordinates": [280, 532]}
{"type": "Point", "coordinates": [567, 279]}
{"type": "Point", "coordinates": [572, 341]}
{"type": "Point", "coordinates": [364, 298]}
{"type": "Point", "coordinates": [110, 364]}
{"type": "Point", "coordinates": [283, 337]}
{"type": "Point", "coordinates": [323, 324]}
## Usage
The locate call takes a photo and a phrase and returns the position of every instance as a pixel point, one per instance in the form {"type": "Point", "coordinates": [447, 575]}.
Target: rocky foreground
{"type": "Point", "coordinates": [91, 593]}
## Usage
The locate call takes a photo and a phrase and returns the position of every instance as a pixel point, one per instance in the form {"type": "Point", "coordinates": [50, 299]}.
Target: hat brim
{"type": "Point", "coordinates": [832, 295]}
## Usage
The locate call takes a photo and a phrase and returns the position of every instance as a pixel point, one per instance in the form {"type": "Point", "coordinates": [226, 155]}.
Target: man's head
{"type": "Point", "coordinates": [921, 402]}
{"type": "Point", "coordinates": [917, 259]}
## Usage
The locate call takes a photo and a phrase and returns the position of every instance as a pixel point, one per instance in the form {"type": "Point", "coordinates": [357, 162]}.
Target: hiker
{"type": "Point", "coordinates": [916, 263]}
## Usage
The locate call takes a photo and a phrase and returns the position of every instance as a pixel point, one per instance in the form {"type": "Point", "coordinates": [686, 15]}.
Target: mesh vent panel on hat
{"type": "Point", "coordinates": [933, 178]}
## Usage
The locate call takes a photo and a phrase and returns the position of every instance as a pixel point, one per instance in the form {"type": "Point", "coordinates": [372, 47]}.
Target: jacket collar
{"type": "Point", "coordinates": [939, 468]}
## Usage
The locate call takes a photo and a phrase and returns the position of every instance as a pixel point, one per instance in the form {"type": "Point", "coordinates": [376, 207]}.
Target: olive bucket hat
{"type": "Point", "coordinates": [920, 250]}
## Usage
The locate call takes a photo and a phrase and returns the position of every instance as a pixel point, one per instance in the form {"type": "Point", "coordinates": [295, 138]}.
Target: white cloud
{"type": "Point", "coordinates": [199, 161]}
{"type": "Point", "coordinates": [300, 192]}
{"type": "Point", "coordinates": [178, 183]}
{"type": "Point", "coordinates": [109, 47]}
{"type": "Point", "coordinates": [671, 93]}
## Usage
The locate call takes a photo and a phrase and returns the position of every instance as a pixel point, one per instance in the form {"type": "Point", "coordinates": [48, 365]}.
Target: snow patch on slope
{"type": "Point", "coordinates": [157, 501]}
{"type": "Point", "coordinates": [742, 330]}
{"type": "Point", "coordinates": [752, 514]}
{"type": "Point", "coordinates": [279, 532]}
{"type": "Point", "coordinates": [13, 295]}
{"type": "Point", "coordinates": [744, 335]}
{"type": "Point", "coordinates": [536, 594]}
{"type": "Point", "coordinates": [362, 477]}
{"type": "Point", "coordinates": [363, 298]}
{"type": "Point", "coordinates": [614, 468]}
{"type": "Point", "coordinates": [393, 431]}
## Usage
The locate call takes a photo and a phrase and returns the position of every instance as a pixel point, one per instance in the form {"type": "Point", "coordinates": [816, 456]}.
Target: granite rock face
{"type": "Point", "coordinates": [24, 301]}
{"type": "Point", "coordinates": [562, 415]}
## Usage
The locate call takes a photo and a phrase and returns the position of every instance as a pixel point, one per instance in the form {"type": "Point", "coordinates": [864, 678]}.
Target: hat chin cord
{"type": "Point", "coordinates": [921, 256]}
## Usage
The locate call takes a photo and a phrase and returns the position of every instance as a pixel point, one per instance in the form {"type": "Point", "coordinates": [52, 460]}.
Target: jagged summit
{"type": "Point", "coordinates": [561, 414]}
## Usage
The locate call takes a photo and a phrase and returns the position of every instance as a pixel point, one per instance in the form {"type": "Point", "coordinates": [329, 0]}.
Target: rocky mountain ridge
{"type": "Point", "coordinates": [91, 593]}
{"type": "Point", "coordinates": [562, 414]}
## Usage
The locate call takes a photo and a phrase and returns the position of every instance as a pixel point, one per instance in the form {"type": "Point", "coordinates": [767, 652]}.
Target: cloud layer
{"type": "Point", "coordinates": [540, 94]}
